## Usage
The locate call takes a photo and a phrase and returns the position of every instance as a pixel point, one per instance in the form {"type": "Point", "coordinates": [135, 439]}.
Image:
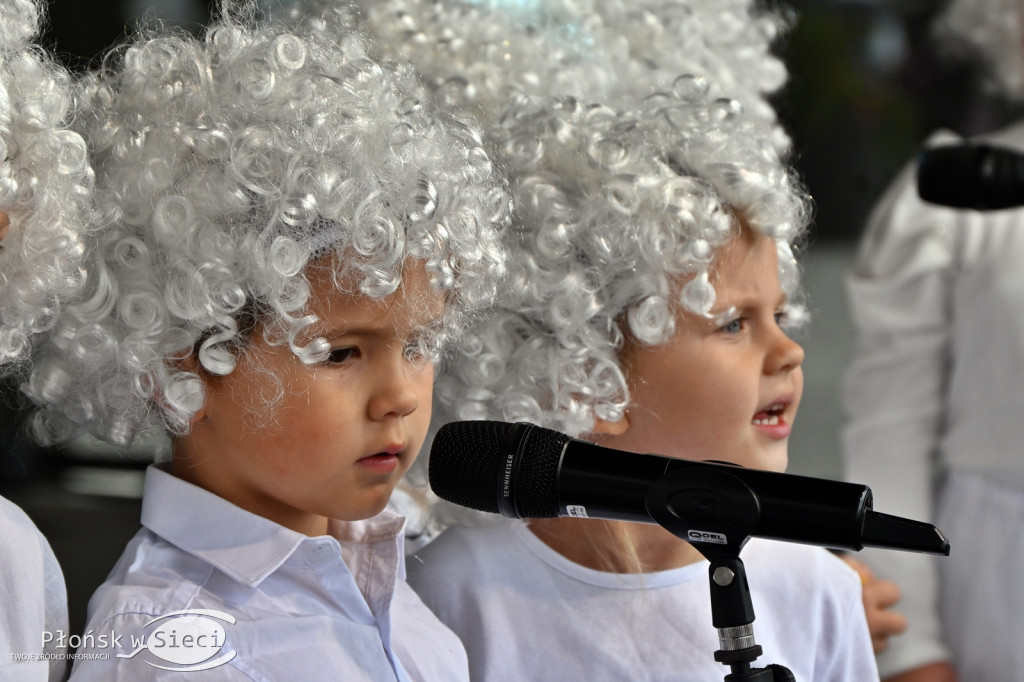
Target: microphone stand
{"type": "Point", "coordinates": [717, 512]}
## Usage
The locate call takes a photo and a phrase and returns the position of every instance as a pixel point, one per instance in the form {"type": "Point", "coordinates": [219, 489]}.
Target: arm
{"type": "Point", "coordinates": [933, 672]}
{"type": "Point", "coordinates": [879, 596]}
{"type": "Point", "coordinates": [895, 393]}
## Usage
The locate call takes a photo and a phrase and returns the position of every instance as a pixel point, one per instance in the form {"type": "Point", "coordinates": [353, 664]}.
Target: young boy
{"type": "Point", "coordinates": [652, 274]}
{"type": "Point", "coordinates": [292, 237]}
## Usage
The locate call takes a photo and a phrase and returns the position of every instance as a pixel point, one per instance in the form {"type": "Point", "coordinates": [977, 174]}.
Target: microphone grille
{"type": "Point", "coordinates": [465, 459]}
{"type": "Point", "coordinates": [536, 487]}
{"type": "Point", "coordinates": [467, 466]}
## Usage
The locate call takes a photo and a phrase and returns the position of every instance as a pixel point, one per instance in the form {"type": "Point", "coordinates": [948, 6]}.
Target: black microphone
{"type": "Point", "coordinates": [975, 176]}
{"type": "Point", "coordinates": [528, 472]}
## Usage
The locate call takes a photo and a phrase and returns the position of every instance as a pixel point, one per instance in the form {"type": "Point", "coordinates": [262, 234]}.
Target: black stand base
{"type": "Point", "coordinates": [773, 673]}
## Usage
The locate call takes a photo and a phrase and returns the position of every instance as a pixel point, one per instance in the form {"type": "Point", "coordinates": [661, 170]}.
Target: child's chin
{"type": "Point", "coordinates": [771, 460]}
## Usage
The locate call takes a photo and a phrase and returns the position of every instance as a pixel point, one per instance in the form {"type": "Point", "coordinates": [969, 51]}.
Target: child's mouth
{"type": "Point", "coordinates": [382, 462]}
{"type": "Point", "coordinates": [772, 421]}
{"type": "Point", "coordinates": [770, 417]}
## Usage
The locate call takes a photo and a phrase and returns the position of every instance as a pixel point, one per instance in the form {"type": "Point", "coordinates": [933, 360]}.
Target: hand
{"type": "Point", "coordinates": [879, 596]}
{"type": "Point", "coordinates": [933, 672]}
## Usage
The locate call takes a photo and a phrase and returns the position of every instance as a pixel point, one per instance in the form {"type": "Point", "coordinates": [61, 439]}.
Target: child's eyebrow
{"type": "Point", "coordinates": [740, 303]}
{"type": "Point", "coordinates": [385, 330]}
{"type": "Point", "coordinates": [358, 330]}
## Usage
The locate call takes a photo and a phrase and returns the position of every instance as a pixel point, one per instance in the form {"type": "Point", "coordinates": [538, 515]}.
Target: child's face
{"type": "Point", "coordinates": [345, 431]}
{"type": "Point", "coordinates": [725, 388]}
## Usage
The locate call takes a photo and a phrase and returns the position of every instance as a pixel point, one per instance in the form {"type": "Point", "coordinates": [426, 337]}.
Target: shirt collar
{"type": "Point", "coordinates": [241, 544]}
{"type": "Point", "coordinates": [245, 546]}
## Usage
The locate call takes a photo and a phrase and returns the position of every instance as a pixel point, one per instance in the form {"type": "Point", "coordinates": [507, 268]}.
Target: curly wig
{"type": "Point", "coordinates": [45, 187]}
{"type": "Point", "coordinates": [632, 132]}
{"type": "Point", "coordinates": [476, 54]}
{"type": "Point", "coordinates": [225, 165]}
{"type": "Point", "coordinates": [618, 216]}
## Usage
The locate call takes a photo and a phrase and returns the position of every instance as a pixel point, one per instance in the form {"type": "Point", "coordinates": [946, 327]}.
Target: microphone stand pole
{"type": "Point", "coordinates": [716, 512]}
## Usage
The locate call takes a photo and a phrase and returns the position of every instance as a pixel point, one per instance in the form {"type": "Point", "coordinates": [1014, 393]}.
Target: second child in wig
{"type": "Point", "coordinates": [291, 238]}
{"type": "Point", "coordinates": [653, 281]}
{"type": "Point", "coordinates": [45, 192]}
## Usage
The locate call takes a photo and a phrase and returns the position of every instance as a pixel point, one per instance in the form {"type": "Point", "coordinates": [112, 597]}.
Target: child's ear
{"type": "Point", "coordinates": [190, 363]}
{"type": "Point", "coordinates": [609, 428]}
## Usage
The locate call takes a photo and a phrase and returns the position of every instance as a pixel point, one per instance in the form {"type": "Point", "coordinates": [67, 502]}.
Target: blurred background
{"type": "Point", "coordinates": [868, 85]}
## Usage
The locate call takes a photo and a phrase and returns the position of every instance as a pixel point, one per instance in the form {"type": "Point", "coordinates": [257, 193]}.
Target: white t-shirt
{"type": "Point", "coordinates": [33, 600]}
{"type": "Point", "coordinates": [527, 614]}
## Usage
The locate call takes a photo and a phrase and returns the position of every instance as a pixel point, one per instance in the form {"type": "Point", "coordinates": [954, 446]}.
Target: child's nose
{"type": "Point", "coordinates": [395, 394]}
{"type": "Point", "coordinates": [785, 354]}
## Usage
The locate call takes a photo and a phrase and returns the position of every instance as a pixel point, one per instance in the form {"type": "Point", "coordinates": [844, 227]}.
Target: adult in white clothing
{"type": "Point", "coordinates": [935, 396]}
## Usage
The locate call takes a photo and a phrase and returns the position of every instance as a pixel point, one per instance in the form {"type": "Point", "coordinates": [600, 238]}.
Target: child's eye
{"type": "Point", "coordinates": [338, 356]}
{"type": "Point", "coordinates": [732, 326]}
{"type": "Point", "coordinates": [783, 319]}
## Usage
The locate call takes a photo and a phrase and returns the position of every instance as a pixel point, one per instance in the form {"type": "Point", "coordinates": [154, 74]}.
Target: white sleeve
{"type": "Point", "coordinates": [33, 599]}
{"type": "Point", "coordinates": [894, 392]}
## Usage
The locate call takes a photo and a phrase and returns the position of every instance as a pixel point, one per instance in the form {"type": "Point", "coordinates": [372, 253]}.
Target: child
{"type": "Point", "coordinates": [652, 269]}
{"type": "Point", "coordinates": [292, 236]}
{"type": "Point", "coordinates": [487, 57]}
{"type": "Point", "coordinates": [661, 335]}
{"type": "Point", "coordinates": [45, 190]}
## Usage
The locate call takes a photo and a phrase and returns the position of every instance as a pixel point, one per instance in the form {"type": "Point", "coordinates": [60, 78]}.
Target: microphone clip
{"type": "Point", "coordinates": [717, 512]}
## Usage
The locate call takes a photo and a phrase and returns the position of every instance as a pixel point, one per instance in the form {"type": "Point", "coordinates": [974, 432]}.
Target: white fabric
{"type": "Point", "coordinates": [332, 608]}
{"type": "Point", "coordinates": [980, 582]}
{"type": "Point", "coordinates": [33, 600]}
{"type": "Point", "coordinates": [936, 389]}
{"type": "Point", "coordinates": [528, 614]}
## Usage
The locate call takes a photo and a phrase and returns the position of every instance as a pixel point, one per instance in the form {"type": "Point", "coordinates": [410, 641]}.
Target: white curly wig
{"type": "Point", "coordinates": [632, 133]}
{"type": "Point", "coordinates": [224, 166]}
{"type": "Point", "coordinates": [614, 208]}
{"type": "Point", "coordinates": [474, 54]}
{"type": "Point", "coordinates": [729, 42]}
{"type": "Point", "coordinates": [45, 187]}
{"type": "Point", "coordinates": [991, 30]}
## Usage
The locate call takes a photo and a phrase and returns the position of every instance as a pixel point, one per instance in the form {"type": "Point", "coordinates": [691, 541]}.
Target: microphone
{"type": "Point", "coordinates": [528, 472]}
{"type": "Point", "coordinates": [974, 176]}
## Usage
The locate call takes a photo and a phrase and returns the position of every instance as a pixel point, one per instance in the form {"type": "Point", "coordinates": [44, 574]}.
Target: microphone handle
{"type": "Point", "coordinates": [599, 482]}
{"type": "Point", "coordinates": [594, 481]}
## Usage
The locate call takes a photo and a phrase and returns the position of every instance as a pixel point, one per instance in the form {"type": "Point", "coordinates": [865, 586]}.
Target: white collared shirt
{"type": "Point", "coordinates": [334, 607]}
{"type": "Point", "coordinates": [33, 601]}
